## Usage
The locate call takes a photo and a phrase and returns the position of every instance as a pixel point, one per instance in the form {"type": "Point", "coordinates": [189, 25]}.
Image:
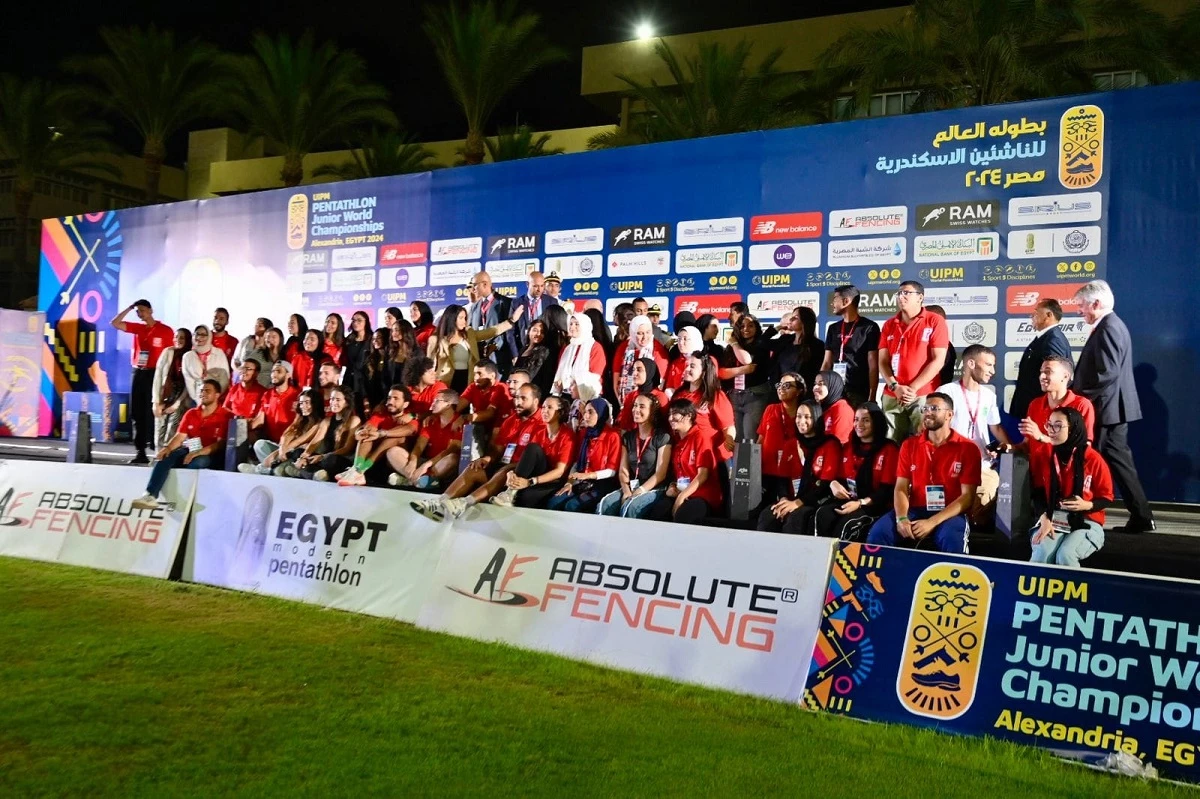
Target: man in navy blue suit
{"type": "Point", "coordinates": [535, 301]}
{"type": "Point", "coordinates": [491, 309]}
{"type": "Point", "coordinates": [1048, 342]}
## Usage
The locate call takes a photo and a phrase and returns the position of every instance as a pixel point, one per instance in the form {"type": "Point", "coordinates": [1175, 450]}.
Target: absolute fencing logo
{"type": "Point", "coordinates": [92, 515]}
{"type": "Point", "coordinates": [729, 612]}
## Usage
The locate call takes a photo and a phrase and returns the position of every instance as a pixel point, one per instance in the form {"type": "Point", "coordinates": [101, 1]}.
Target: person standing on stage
{"type": "Point", "coordinates": [912, 350]}
{"type": "Point", "coordinates": [150, 338]}
{"type": "Point", "coordinates": [852, 347]}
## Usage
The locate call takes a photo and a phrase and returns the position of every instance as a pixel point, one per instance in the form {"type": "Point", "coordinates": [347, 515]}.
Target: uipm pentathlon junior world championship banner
{"type": "Point", "coordinates": [1080, 662]}
{"type": "Point", "coordinates": [362, 550]}
{"type": "Point", "coordinates": [732, 610]}
{"type": "Point", "coordinates": [81, 514]}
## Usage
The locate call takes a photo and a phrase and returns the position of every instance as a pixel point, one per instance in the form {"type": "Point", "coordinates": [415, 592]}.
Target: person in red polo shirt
{"type": "Point", "coordinates": [912, 351]}
{"type": "Point", "coordinates": [542, 468]}
{"type": "Point", "coordinates": [819, 459]}
{"type": "Point", "coordinates": [150, 338]}
{"type": "Point", "coordinates": [695, 493]}
{"type": "Point", "coordinates": [436, 453]}
{"type": "Point", "coordinates": [1076, 487]}
{"type": "Point", "coordinates": [484, 404]}
{"type": "Point", "coordinates": [936, 478]}
{"type": "Point", "coordinates": [220, 336]}
{"type": "Point", "coordinates": [387, 429]}
{"type": "Point", "coordinates": [1054, 378]}
{"type": "Point", "coordinates": [867, 484]}
{"type": "Point", "coordinates": [276, 413]}
{"type": "Point", "coordinates": [598, 457]}
{"type": "Point", "coordinates": [777, 437]}
{"type": "Point", "coordinates": [244, 399]}
{"type": "Point", "coordinates": [197, 445]}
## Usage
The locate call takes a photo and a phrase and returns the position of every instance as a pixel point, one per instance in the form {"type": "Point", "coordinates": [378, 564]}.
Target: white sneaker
{"type": "Point", "coordinates": [145, 502]}
{"type": "Point", "coordinates": [505, 498]}
{"type": "Point", "coordinates": [260, 469]}
{"type": "Point", "coordinates": [430, 509]}
{"type": "Point", "coordinates": [454, 508]}
{"type": "Point", "coordinates": [248, 468]}
{"type": "Point", "coordinates": [398, 480]}
{"type": "Point", "coordinates": [344, 473]}
{"type": "Point", "coordinates": [321, 476]}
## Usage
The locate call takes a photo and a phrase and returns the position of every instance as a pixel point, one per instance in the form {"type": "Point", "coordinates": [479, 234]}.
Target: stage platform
{"type": "Point", "coordinates": [1172, 551]}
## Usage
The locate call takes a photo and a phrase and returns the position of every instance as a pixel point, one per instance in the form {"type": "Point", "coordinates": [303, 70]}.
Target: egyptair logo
{"type": "Point", "coordinates": [497, 587]}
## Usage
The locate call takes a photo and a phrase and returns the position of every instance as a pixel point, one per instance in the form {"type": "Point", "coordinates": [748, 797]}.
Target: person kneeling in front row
{"type": "Point", "coordinates": [696, 492]}
{"type": "Point", "coordinates": [200, 439]}
{"type": "Point", "coordinates": [936, 478]}
{"type": "Point", "coordinates": [1076, 488]}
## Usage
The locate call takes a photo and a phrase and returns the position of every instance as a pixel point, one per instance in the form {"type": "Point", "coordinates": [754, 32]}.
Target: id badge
{"type": "Point", "coordinates": [509, 451]}
{"type": "Point", "coordinates": [1060, 521]}
{"type": "Point", "coordinates": [682, 483]}
{"type": "Point", "coordinates": [852, 488]}
{"type": "Point", "coordinates": [193, 444]}
{"type": "Point", "coordinates": [739, 383]}
{"type": "Point", "coordinates": [935, 498]}
{"type": "Point", "coordinates": [143, 359]}
{"type": "Point", "coordinates": [840, 368]}
{"type": "Point", "coordinates": [895, 365]}
{"type": "Point", "coordinates": [634, 483]}
{"type": "Point", "coordinates": [796, 487]}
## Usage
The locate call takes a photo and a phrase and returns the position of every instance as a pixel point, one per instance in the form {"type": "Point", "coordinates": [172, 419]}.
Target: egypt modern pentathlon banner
{"type": "Point", "coordinates": [80, 514]}
{"type": "Point", "coordinates": [1081, 662]}
{"type": "Point", "coordinates": [361, 549]}
{"type": "Point", "coordinates": [729, 609]}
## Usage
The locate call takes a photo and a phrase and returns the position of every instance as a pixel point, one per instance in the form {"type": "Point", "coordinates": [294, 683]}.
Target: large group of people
{"type": "Point", "coordinates": [866, 434]}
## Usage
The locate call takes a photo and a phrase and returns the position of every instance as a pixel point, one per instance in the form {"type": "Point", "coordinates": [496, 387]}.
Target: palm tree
{"type": "Point", "coordinates": [42, 132]}
{"type": "Point", "coordinates": [716, 91]}
{"type": "Point", "coordinates": [977, 52]}
{"type": "Point", "coordinates": [486, 50]}
{"type": "Point", "coordinates": [1185, 32]}
{"type": "Point", "coordinates": [516, 143]}
{"type": "Point", "coordinates": [155, 83]}
{"type": "Point", "coordinates": [382, 153]}
{"type": "Point", "coordinates": [302, 96]}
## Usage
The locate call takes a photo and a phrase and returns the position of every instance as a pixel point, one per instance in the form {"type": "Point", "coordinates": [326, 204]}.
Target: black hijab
{"type": "Point", "coordinates": [1073, 451]}
{"type": "Point", "coordinates": [652, 376]}
{"type": "Point", "coordinates": [835, 386]}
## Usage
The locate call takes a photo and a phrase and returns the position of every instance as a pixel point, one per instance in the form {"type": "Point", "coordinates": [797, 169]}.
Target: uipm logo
{"type": "Point", "coordinates": [497, 590]}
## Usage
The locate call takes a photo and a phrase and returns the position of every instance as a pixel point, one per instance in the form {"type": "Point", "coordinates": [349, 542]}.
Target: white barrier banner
{"type": "Point", "coordinates": [80, 514]}
{"type": "Point", "coordinates": [729, 609]}
{"type": "Point", "coordinates": [357, 549]}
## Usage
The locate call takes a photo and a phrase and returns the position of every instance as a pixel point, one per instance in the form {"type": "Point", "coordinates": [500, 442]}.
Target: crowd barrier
{"type": "Point", "coordinates": [1080, 662]}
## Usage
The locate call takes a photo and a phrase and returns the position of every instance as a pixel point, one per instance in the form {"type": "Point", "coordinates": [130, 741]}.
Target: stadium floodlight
{"type": "Point", "coordinates": [644, 30]}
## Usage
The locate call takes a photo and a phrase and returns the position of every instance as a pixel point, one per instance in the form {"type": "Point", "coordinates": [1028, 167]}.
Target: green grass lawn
{"type": "Point", "coordinates": [125, 686]}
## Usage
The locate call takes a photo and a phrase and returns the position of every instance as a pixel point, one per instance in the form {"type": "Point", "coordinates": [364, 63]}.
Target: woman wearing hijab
{"type": "Point", "coordinates": [863, 491]}
{"type": "Point", "coordinates": [821, 458]}
{"type": "Point", "coordinates": [835, 410]}
{"type": "Point", "coordinates": [689, 342]}
{"type": "Point", "coordinates": [1076, 488]}
{"type": "Point", "coordinates": [582, 360]}
{"type": "Point", "coordinates": [640, 344]}
{"type": "Point", "coordinates": [204, 362]}
{"type": "Point", "coordinates": [645, 384]}
{"type": "Point", "coordinates": [594, 474]}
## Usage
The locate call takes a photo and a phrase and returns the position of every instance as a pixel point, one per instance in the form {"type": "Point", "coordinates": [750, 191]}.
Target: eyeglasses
{"type": "Point", "coordinates": [787, 384]}
{"type": "Point", "coordinates": [908, 293]}
{"type": "Point", "coordinates": [1054, 427]}
{"type": "Point", "coordinates": [933, 409]}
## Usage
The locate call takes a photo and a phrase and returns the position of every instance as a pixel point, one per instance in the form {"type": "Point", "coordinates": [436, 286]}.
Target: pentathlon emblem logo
{"type": "Point", "coordinates": [942, 653]}
{"type": "Point", "coordinates": [1081, 147]}
{"type": "Point", "coordinates": [297, 221]}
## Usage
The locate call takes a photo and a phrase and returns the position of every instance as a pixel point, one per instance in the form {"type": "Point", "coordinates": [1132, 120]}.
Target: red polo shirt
{"type": "Point", "coordinates": [955, 462]}
{"type": "Point", "coordinates": [439, 436]}
{"type": "Point", "coordinates": [561, 448]}
{"type": "Point", "coordinates": [712, 418]}
{"type": "Point", "coordinates": [497, 396]}
{"type": "Point", "coordinates": [839, 420]}
{"type": "Point", "coordinates": [517, 431]}
{"type": "Point", "coordinates": [1097, 479]}
{"type": "Point", "coordinates": [279, 411]}
{"type": "Point", "coordinates": [422, 400]}
{"type": "Point", "coordinates": [209, 429]}
{"type": "Point", "coordinates": [660, 359]}
{"type": "Point", "coordinates": [693, 453]}
{"type": "Point", "coordinates": [914, 343]}
{"type": "Point", "coordinates": [883, 471]}
{"type": "Point", "coordinates": [826, 458]}
{"type": "Point", "coordinates": [625, 419]}
{"type": "Point", "coordinates": [227, 344]}
{"type": "Point", "coordinates": [244, 400]}
{"type": "Point", "coordinates": [604, 452]}
{"type": "Point", "coordinates": [149, 341]}
{"type": "Point", "coordinates": [777, 431]}
{"type": "Point", "coordinates": [1040, 410]}
{"type": "Point", "coordinates": [333, 351]}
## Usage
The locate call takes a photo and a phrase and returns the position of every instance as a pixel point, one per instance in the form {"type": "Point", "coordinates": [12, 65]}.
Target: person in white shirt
{"type": "Point", "coordinates": [977, 417]}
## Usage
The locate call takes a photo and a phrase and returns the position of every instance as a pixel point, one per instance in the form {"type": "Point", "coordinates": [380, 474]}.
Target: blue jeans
{"type": "Point", "coordinates": [949, 536]}
{"type": "Point", "coordinates": [1069, 549]}
{"type": "Point", "coordinates": [174, 460]}
{"type": "Point", "coordinates": [636, 508]}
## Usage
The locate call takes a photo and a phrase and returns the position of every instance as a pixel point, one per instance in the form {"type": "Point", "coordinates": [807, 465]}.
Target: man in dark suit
{"type": "Point", "coordinates": [1105, 376]}
{"type": "Point", "coordinates": [492, 309]}
{"type": "Point", "coordinates": [1048, 342]}
{"type": "Point", "coordinates": [535, 301]}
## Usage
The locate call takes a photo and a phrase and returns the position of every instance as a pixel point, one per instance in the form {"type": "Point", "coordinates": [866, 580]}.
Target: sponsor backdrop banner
{"type": "Point", "coordinates": [1081, 662]}
{"type": "Point", "coordinates": [700, 605]}
{"type": "Point", "coordinates": [991, 208]}
{"type": "Point", "coordinates": [80, 514]}
{"type": "Point", "coordinates": [20, 372]}
{"type": "Point", "coordinates": [313, 542]}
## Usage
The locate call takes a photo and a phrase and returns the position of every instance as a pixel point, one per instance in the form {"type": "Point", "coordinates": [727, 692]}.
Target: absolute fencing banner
{"type": "Point", "coordinates": [1080, 662]}
{"type": "Point", "coordinates": [362, 549]}
{"type": "Point", "coordinates": [80, 514]}
{"type": "Point", "coordinates": [733, 610]}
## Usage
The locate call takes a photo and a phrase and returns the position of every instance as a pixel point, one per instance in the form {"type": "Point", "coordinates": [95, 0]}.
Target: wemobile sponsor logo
{"type": "Point", "coordinates": [562, 242]}
{"type": "Point", "coordinates": [511, 271]}
{"type": "Point", "coordinates": [865, 252]}
{"type": "Point", "coordinates": [92, 515]}
{"type": "Point", "coordinates": [1020, 332]}
{"type": "Point", "coordinates": [297, 221]}
{"type": "Point", "coordinates": [640, 264]}
{"type": "Point", "coordinates": [402, 277]}
{"type": "Point", "coordinates": [506, 246]}
{"type": "Point", "coordinates": [729, 230]}
{"type": "Point", "coordinates": [772, 306]}
{"type": "Point", "coordinates": [868, 221]}
{"type": "Point", "coordinates": [708, 259]}
{"type": "Point", "coordinates": [958, 215]}
{"type": "Point", "coordinates": [795, 255]}
{"type": "Point", "coordinates": [452, 274]}
{"type": "Point", "coordinates": [1023, 299]}
{"type": "Point", "coordinates": [781, 227]}
{"type": "Point", "coordinates": [728, 611]}
{"type": "Point", "coordinates": [956, 247]}
{"type": "Point", "coordinates": [967, 332]}
{"type": "Point", "coordinates": [631, 237]}
{"type": "Point", "coordinates": [1081, 147]}
{"type": "Point", "coordinates": [1055, 209]}
{"type": "Point", "coordinates": [1054, 242]}
{"type": "Point", "coordinates": [610, 305]}
{"type": "Point", "coordinates": [964, 300]}
{"type": "Point", "coordinates": [353, 280]}
{"type": "Point", "coordinates": [456, 249]}
{"type": "Point", "coordinates": [410, 252]}
{"type": "Point", "coordinates": [700, 304]}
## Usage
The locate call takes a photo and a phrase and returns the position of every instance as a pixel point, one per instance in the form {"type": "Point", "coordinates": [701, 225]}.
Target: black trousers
{"type": "Point", "coordinates": [850, 527]}
{"type": "Point", "coordinates": [1112, 441]}
{"type": "Point", "coordinates": [692, 511]}
{"type": "Point", "coordinates": [798, 522]}
{"type": "Point", "coordinates": [532, 463]}
{"type": "Point", "coordinates": [141, 391]}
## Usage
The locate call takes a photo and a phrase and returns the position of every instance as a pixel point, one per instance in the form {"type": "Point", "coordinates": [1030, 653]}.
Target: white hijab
{"type": "Point", "coordinates": [690, 337]}
{"type": "Point", "coordinates": [574, 365]}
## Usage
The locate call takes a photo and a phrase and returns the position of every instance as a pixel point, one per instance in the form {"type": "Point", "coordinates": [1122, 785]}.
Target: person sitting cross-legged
{"type": "Point", "coordinates": [387, 429]}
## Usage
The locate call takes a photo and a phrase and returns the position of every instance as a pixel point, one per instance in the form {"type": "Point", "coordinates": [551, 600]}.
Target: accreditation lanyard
{"type": "Point", "coordinates": [972, 413]}
{"type": "Point", "coordinates": [642, 445]}
{"type": "Point", "coordinates": [844, 336]}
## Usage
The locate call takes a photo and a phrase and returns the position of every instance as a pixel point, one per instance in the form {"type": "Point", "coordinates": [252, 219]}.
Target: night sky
{"type": "Point", "coordinates": [390, 39]}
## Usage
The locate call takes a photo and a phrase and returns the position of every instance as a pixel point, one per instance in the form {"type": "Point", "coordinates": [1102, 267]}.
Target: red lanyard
{"type": "Point", "coordinates": [641, 449]}
{"type": "Point", "coordinates": [846, 337]}
{"type": "Point", "coordinates": [483, 311]}
{"type": "Point", "coordinates": [972, 413]}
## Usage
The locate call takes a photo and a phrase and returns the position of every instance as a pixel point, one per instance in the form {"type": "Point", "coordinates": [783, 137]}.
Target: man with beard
{"type": "Point", "coordinates": [220, 337]}
{"type": "Point", "coordinates": [387, 428]}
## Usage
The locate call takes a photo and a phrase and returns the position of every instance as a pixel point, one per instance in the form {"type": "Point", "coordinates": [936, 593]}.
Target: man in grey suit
{"type": "Point", "coordinates": [535, 301]}
{"type": "Point", "coordinates": [1105, 376]}
{"type": "Point", "coordinates": [1048, 342]}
